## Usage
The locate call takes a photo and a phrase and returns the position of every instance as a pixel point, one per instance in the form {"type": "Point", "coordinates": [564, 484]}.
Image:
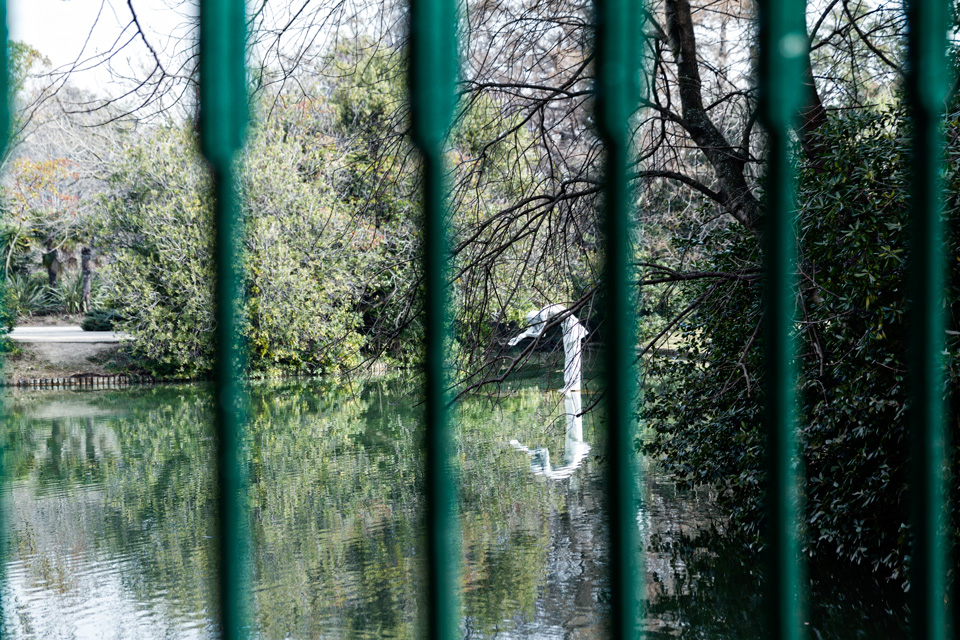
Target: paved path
{"type": "Point", "coordinates": [65, 333]}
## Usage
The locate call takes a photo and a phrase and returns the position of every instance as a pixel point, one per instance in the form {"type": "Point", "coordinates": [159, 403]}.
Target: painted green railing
{"type": "Point", "coordinates": [223, 117]}
{"type": "Point", "coordinates": [4, 130]}
{"type": "Point", "coordinates": [433, 55]}
{"type": "Point", "coordinates": [223, 121]}
{"type": "Point", "coordinates": [927, 91]}
{"type": "Point", "coordinates": [783, 44]}
{"type": "Point", "coordinates": [617, 47]}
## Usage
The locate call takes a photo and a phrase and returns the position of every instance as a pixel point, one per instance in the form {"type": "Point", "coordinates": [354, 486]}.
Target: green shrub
{"type": "Point", "coordinates": [852, 223]}
{"type": "Point", "coordinates": [68, 294]}
{"type": "Point", "coordinates": [301, 255]}
{"type": "Point", "coordinates": [8, 347]}
{"type": "Point", "coordinates": [101, 320]}
{"type": "Point", "coordinates": [27, 295]}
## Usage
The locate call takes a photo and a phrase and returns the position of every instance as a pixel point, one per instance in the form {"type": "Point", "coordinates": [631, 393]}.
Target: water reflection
{"type": "Point", "coordinates": [109, 501]}
{"type": "Point", "coordinates": [574, 448]}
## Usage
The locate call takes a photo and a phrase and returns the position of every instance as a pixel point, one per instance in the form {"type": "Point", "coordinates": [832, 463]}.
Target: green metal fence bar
{"type": "Point", "coordinates": [617, 68]}
{"type": "Point", "coordinates": [432, 73]}
{"type": "Point", "coordinates": [783, 45]}
{"type": "Point", "coordinates": [927, 90]}
{"type": "Point", "coordinates": [4, 77]}
{"type": "Point", "coordinates": [4, 132]}
{"type": "Point", "coordinates": [223, 119]}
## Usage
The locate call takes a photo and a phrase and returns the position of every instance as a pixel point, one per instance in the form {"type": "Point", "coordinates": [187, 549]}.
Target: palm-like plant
{"type": "Point", "coordinates": [26, 295]}
{"type": "Point", "coordinates": [68, 293]}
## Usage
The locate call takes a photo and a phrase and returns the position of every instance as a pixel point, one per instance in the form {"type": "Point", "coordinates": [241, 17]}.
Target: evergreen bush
{"type": "Point", "coordinates": [852, 222]}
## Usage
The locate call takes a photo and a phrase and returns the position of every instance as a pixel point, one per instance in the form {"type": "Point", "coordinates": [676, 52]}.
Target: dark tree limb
{"type": "Point", "coordinates": [736, 196]}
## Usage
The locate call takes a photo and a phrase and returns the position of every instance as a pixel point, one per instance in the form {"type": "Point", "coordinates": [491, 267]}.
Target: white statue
{"type": "Point", "coordinates": [573, 335]}
{"type": "Point", "coordinates": [574, 448]}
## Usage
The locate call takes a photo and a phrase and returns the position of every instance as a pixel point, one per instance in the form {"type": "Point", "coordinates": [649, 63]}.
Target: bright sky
{"type": "Point", "coordinates": [61, 29]}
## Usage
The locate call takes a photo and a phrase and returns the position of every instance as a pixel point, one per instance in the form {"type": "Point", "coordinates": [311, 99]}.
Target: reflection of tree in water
{"type": "Point", "coordinates": [66, 460]}
{"type": "Point", "coordinates": [82, 494]}
{"type": "Point", "coordinates": [57, 450]}
{"type": "Point", "coordinates": [704, 584]}
{"type": "Point", "coordinates": [716, 592]}
{"type": "Point", "coordinates": [335, 501]}
{"type": "Point", "coordinates": [707, 591]}
{"type": "Point", "coordinates": [546, 556]}
{"type": "Point", "coordinates": [335, 517]}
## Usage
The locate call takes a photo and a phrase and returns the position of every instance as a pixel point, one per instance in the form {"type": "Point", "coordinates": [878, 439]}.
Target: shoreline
{"type": "Point", "coordinates": [96, 365]}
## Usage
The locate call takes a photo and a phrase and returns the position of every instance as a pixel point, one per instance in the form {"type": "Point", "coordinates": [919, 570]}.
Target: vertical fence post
{"type": "Point", "coordinates": [432, 73]}
{"type": "Point", "coordinates": [783, 45]}
{"type": "Point", "coordinates": [616, 43]}
{"type": "Point", "coordinates": [926, 92]}
{"type": "Point", "coordinates": [223, 119]}
{"type": "Point", "coordinates": [4, 78]}
{"type": "Point", "coordinates": [4, 132]}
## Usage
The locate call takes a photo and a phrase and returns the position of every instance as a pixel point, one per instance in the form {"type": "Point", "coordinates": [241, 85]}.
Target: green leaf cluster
{"type": "Point", "coordinates": [301, 252]}
{"type": "Point", "coordinates": [852, 221]}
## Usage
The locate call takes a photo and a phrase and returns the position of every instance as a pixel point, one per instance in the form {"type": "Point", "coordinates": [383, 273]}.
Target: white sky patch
{"type": "Point", "coordinates": [69, 32]}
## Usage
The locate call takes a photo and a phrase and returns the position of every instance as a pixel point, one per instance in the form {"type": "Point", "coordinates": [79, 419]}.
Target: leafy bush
{"type": "Point", "coordinates": [101, 320]}
{"type": "Point", "coordinates": [27, 295]}
{"type": "Point", "coordinates": [852, 223]}
{"type": "Point", "coordinates": [330, 187]}
{"type": "Point", "coordinates": [68, 294]}
{"type": "Point", "coordinates": [300, 251]}
{"type": "Point", "coordinates": [17, 248]}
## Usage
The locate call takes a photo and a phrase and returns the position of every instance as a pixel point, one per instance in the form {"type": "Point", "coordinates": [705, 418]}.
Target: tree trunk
{"type": "Point", "coordinates": [86, 268]}
{"type": "Point", "coordinates": [813, 115]}
{"type": "Point", "coordinates": [51, 260]}
{"type": "Point", "coordinates": [727, 161]}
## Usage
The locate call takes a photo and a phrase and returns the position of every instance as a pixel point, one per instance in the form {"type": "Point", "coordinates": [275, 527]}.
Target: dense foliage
{"type": "Point", "coordinates": [852, 221]}
{"type": "Point", "coordinates": [304, 256]}
{"type": "Point", "coordinates": [330, 203]}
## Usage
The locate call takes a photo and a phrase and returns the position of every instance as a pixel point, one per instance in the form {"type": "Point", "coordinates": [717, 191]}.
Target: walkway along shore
{"type": "Point", "coordinates": [64, 356]}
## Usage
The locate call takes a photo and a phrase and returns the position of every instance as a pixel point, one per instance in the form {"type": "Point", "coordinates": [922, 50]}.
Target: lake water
{"type": "Point", "coordinates": [109, 503]}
